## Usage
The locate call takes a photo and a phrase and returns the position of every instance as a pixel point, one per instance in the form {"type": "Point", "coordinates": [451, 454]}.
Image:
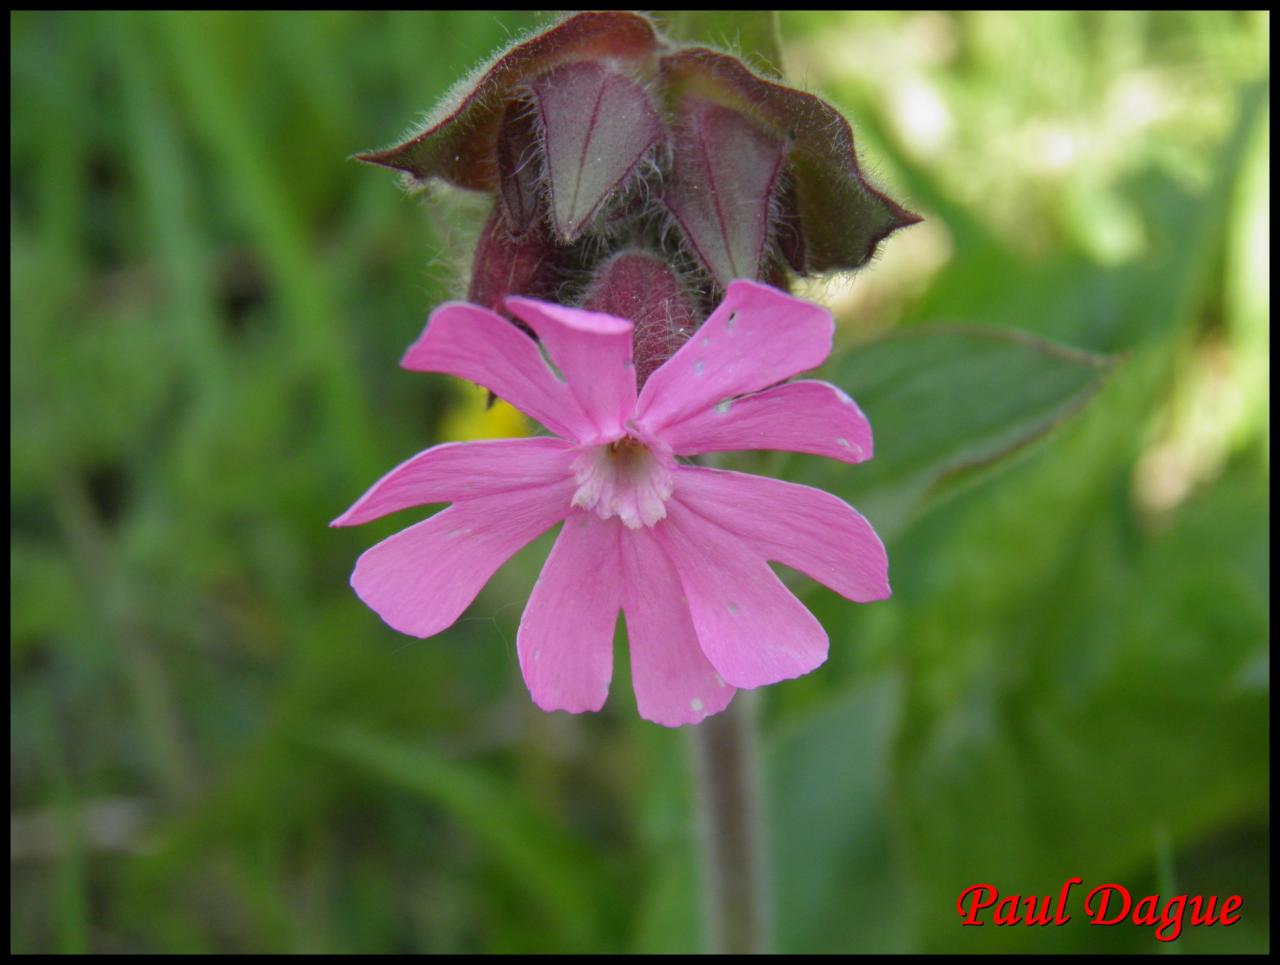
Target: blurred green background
{"type": "Point", "coordinates": [215, 746]}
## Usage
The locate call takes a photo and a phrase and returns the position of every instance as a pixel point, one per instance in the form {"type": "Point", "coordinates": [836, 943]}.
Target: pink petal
{"type": "Point", "coordinates": [566, 634]}
{"type": "Point", "coordinates": [674, 682]}
{"type": "Point", "coordinates": [422, 578]}
{"type": "Point", "coordinates": [805, 416]}
{"type": "Point", "coordinates": [758, 336]}
{"type": "Point", "coordinates": [463, 470]}
{"type": "Point", "coordinates": [801, 527]}
{"type": "Point", "coordinates": [477, 344]}
{"type": "Point", "coordinates": [593, 350]}
{"type": "Point", "coordinates": [750, 626]}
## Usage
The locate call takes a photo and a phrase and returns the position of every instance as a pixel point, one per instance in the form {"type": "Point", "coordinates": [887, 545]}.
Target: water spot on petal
{"type": "Point", "coordinates": [733, 607]}
{"type": "Point", "coordinates": [731, 321]}
{"type": "Point", "coordinates": [699, 366]}
{"type": "Point", "coordinates": [696, 704]}
{"type": "Point", "coordinates": [856, 449]}
{"type": "Point", "coordinates": [724, 406]}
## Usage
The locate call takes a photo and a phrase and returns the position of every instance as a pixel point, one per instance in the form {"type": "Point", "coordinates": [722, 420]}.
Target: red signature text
{"type": "Point", "coordinates": [1106, 904]}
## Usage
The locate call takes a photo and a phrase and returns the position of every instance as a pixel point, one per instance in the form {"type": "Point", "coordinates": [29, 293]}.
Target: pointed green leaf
{"type": "Point", "coordinates": [945, 403]}
{"type": "Point", "coordinates": [838, 879]}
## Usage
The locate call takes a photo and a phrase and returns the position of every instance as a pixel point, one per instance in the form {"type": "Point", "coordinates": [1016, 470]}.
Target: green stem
{"type": "Point", "coordinates": [726, 763]}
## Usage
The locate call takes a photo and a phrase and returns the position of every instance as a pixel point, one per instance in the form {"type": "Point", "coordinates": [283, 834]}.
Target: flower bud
{"type": "Point", "coordinates": [642, 287]}
{"type": "Point", "coordinates": [600, 138]}
{"type": "Point", "coordinates": [506, 264]}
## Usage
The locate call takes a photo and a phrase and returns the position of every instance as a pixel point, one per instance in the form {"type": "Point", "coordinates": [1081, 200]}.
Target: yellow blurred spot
{"type": "Point", "coordinates": [469, 418]}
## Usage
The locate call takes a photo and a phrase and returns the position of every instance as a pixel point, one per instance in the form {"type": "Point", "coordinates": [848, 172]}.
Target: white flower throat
{"type": "Point", "coordinates": [624, 478]}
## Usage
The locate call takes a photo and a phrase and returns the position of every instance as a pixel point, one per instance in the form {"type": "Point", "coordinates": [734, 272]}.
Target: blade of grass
{"type": "Point", "coordinates": [536, 853]}
{"type": "Point", "coordinates": [166, 188]}
{"type": "Point", "coordinates": [318, 343]}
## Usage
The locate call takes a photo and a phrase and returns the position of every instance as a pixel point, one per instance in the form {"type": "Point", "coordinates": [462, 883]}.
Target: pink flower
{"type": "Point", "coordinates": [680, 549]}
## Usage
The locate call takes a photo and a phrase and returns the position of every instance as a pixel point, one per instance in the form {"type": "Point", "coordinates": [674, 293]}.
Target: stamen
{"type": "Point", "coordinates": [624, 478]}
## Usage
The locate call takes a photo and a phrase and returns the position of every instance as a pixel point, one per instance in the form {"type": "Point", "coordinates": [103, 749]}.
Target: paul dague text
{"type": "Point", "coordinates": [1108, 904]}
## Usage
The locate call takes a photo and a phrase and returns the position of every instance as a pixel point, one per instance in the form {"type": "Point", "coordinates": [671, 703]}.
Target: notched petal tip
{"type": "Point", "coordinates": [693, 718]}
{"type": "Point", "coordinates": [405, 359]}
{"type": "Point", "coordinates": [538, 314]}
{"type": "Point", "coordinates": [754, 679]}
{"type": "Point", "coordinates": [744, 294]}
{"type": "Point", "coordinates": [876, 588]}
{"type": "Point", "coordinates": [559, 707]}
{"type": "Point", "coordinates": [416, 357]}
{"type": "Point", "coordinates": [365, 589]}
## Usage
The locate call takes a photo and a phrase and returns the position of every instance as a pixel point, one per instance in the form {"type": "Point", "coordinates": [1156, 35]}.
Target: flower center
{"type": "Point", "coordinates": [624, 478]}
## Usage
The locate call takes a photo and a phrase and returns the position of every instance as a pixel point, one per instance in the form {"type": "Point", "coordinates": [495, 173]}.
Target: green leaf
{"type": "Point", "coordinates": [947, 404]}
{"type": "Point", "coordinates": [534, 851]}
{"type": "Point", "coordinates": [1082, 690]}
{"type": "Point", "coordinates": [837, 882]}
{"type": "Point", "coordinates": [1071, 729]}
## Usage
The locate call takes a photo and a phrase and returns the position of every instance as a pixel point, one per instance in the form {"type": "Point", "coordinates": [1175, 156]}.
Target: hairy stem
{"type": "Point", "coordinates": [726, 763]}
